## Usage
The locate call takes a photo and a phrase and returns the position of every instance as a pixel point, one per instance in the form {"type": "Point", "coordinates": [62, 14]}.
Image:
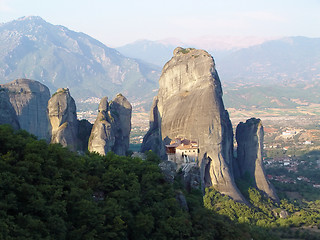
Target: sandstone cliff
{"type": "Point", "coordinates": [121, 110]}
{"type": "Point", "coordinates": [249, 136]}
{"type": "Point", "coordinates": [111, 130]}
{"type": "Point", "coordinates": [102, 136]}
{"type": "Point", "coordinates": [189, 105]}
{"type": "Point", "coordinates": [7, 113]}
{"type": "Point", "coordinates": [63, 118]}
{"type": "Point", "coordinates": [29, 99]}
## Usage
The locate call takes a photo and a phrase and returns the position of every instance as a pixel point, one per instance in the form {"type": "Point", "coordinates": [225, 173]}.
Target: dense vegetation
{"type": "Point", "coordinates": [48, 192]}
{"type": "Point", "coordinates": [283, 218]}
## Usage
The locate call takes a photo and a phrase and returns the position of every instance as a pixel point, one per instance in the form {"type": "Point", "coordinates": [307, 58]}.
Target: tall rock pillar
{"type": "Point", "coordinates": [102, 136]}
{"type": "Point", "coordinates": [111, 130]}
{"type": "Point", "coordinates": [249, 136]}
{"type": "Point", "coordinates": [189, 105]}
{"type": "Point", "coordinates": [63, 118]}
{"type": "Point", "coordinates": [121, 110]}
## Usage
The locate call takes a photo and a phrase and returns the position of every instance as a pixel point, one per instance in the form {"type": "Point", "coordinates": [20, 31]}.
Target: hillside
{"type": "Point", "coordinates": [58, 57]}
{"type": "Point", "coordinates": [284, 96]}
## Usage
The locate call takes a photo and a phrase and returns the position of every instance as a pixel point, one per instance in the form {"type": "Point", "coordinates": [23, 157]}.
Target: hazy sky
{"type": "Point", "coordinates": [116, 22]}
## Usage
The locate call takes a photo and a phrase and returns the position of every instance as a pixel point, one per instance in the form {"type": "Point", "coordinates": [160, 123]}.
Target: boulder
{"type": "Point", "coordinates": [63, 119]}
{"type": "Point", "coordinates": [169, 170]}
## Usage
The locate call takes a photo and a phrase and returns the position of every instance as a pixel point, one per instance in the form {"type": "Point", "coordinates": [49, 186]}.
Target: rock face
{"type": "Point", "coordinates": [189, 105]}
{"type": "Point", "coordinates": [102, 136]}
{"type": "Point", "coordinates": [121, 111]}
{"type": "Point", "coordinates": [7, 113]}
{"type": "Point", "coordinates": [111, 130]}
{"type": "Point", "coordinates": [152, 139]}
{"type": "Point", "coordinates": [29, 99]}
{"type": "Point", "coordinates": [63, 118]}
{"type": "Point", "coordinates": [168, 169]}
{"type": "Point", "coordinates": [249, 136]}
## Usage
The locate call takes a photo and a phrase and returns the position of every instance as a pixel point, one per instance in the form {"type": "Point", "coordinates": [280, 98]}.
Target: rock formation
{"type": "Point", "coordinates": [121, 110]}
{"type": "Point", "coordinates": [29, 99]}
{"type": "Point", "coordinates": [63, 118]}
{"type": "Point", "coordinates": [7, 113]}
{"type": "Point", "coordinates": [152, 139]}
{"type": "Point", "coordinates": [249, 136]}
{"type": "Point", "coordinates": [169, 170]}
{"type": "Point", "coordinates": [102, 136]}
{"type": "Point", "coordinates": [111, 130]}
{"type": "Point", "coordinates": [189, 105]}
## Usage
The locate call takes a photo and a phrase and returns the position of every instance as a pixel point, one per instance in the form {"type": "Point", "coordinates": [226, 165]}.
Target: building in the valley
{"type": "Point", "coordinates": [182, 151]}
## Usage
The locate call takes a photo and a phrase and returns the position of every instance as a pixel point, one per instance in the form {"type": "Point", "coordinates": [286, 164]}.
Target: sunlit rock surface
{"type": "Point", "coordinates": [189, 105]}
{"type": "Point", "coordinates": [63, 118]}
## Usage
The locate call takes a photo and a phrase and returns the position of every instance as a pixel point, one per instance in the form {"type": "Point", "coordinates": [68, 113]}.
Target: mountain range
{"type": "Point", "coordinates": [58, 57]}
{"type": "Point", "coordinates": [281, 73]}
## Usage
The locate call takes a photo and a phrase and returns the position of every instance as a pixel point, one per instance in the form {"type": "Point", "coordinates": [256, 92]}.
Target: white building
{"type": "Point", "coordinates": [182, 151]}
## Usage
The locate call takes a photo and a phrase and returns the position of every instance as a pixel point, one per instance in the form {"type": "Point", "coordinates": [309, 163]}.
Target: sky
{"type": "Point", "coordinates": [118, 22]}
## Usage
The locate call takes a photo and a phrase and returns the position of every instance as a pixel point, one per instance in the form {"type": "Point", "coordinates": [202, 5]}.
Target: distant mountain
{"type": "Point", "coordinates": [154, 52]}
{"type": "Point", "coordinates": [288, 60]}
{"type": "Point", "coordinates": [160, 52]}
{"type": "Point", "coordinates": [282, 73]}
{"type": "Point", "coordinates": [58, 57]}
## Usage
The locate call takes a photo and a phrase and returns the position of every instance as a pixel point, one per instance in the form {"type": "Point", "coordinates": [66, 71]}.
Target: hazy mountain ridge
{"type": "Point", "coordinates": [58, 57]}
{"type": "Point", "coordinates": [150, 51]}
{"type": "Point", "coordinates": [159, 52]}
{"type": "Point", "coordinates": [32, 48]}
{"type": "Point", "coordinates": [287, 60]}
{"type": "Point", "coordinates": [280, 73]}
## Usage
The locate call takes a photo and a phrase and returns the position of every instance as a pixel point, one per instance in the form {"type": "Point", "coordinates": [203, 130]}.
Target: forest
{"type": "Point", "coordinates": [49, 192]}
